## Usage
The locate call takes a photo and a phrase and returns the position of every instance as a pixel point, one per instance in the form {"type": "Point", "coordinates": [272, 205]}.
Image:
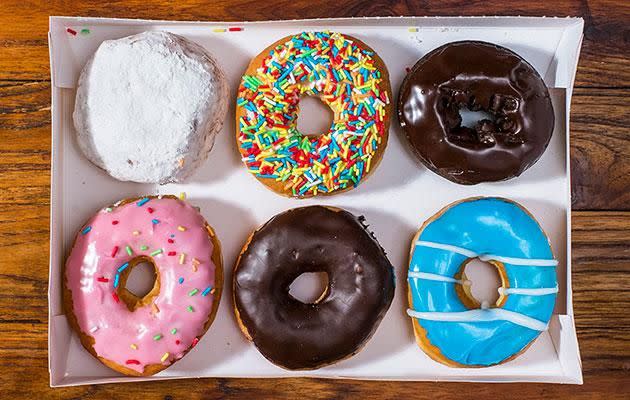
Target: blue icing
{"type": "Point", "coordinates": [483, 343]}
{"type": "Point", "coordinates": [485, 226]}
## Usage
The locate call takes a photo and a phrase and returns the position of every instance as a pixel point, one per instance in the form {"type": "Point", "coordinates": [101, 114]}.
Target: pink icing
{"type": "Point", "coordinates": [114, 328]}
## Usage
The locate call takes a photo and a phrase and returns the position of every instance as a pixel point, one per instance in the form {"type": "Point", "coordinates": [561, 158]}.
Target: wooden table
{"type": "Point", "coordinates": [600, 168]}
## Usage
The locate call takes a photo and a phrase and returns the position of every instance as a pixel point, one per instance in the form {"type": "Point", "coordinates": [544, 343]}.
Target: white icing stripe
{"type": "Point", "coordinates": [447, 247]}
{"type": "Point", "coordinates": [529, 292]}
{"type": "Point", "coordinates": [433, 277]}
{"type": "Point", "coordinates": [488, 257]}
{"type": "Point", "coordinates": [491, 314]}
{"type": "Point", "coordinates": [530, 262]}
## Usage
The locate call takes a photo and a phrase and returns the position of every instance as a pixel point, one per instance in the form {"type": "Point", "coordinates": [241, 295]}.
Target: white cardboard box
{"type": "Point", "coordinates": [395, 200]}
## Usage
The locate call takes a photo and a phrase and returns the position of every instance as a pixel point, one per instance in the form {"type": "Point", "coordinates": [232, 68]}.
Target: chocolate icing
{"type": "Point", "coordinates": [482, 77]}
{"type": "Point", "coordinates": [295, 335]}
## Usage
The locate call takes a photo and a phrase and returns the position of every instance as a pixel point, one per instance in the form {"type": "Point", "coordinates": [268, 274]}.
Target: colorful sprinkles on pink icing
{"type": "Point", "coordinates": [109, 237]}
{"type": "Point", "coordinates": [345, 77]}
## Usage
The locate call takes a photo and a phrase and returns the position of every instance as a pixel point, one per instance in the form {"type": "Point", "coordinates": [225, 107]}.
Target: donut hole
{"type": "Point", "coordinates": [482, 281]}
{"type": "Point", "coordinates": [139, 283]}
{"type": "Point", "coordinates": [314, 117]}
{"type": "Point", "coordinates": [470, 118]}
{"type": "Point", "coordinates": [471, 125]}
{"type": "Point", "coordinates": [309, 287]}
{"type": "Point", "coordinates": [141, 279]}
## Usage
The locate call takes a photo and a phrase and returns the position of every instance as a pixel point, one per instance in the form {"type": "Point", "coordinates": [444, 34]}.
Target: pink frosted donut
{"type": "Point", "coordinates": [142, 336]}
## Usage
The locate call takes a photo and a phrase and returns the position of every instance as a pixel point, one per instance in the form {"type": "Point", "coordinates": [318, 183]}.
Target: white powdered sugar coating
{"type": "Point", "coordinates": [148, 107]}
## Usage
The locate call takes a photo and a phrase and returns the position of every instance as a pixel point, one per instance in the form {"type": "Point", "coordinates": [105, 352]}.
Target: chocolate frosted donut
{"type": "Point", "coordinates": [482, 77]}
{"type": "Point", "coordinates": [295, 335]}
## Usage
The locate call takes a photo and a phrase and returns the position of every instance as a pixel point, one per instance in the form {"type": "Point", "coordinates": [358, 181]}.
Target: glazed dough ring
{"type": "Point", "coordinates": [301, 336]}
{"type": "Point", "coordinates": [350, 78]}
{"type": "Point", "coordinates": [143, 335]}
{"type": "Point", "coordinates": [449, 324]}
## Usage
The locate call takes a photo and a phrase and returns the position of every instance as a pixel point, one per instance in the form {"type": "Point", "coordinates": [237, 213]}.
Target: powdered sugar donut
{"type": "Point", "coordinates": [148, 107]}
{"type": "Point", "coordinates": [133, 335]}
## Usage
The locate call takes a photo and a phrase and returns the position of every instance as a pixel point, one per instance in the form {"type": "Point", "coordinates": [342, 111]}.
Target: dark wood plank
{"type": "Point", "coordinates": [24, 144]}
{"type": "Point", "coordinates": [601, 279]}
{"type": "Point", "coordinates": [604, 61]}
{"type": "Point", "coordinates": [600, 149]}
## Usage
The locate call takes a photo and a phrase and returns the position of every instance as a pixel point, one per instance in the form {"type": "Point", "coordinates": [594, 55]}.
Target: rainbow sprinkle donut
{"type": "Point", "coordinates": [449, 324]}
{"type": "Point", "coordinates": [133, 335]}
{"type": "Point", "coordinates": [346, 75]}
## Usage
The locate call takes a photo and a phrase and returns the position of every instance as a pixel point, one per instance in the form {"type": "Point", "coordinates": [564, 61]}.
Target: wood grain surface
{"type": "Point", "coordinates": [600, 157]}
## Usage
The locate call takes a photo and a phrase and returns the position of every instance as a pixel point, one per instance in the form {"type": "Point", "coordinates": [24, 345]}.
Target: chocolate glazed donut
{"type": "Point", "coordinates": [295, 335]}
{"type": "Point", "coordinates": [482, 77]}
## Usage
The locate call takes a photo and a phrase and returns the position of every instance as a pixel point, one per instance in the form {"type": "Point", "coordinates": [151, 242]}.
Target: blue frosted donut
{"type": "Point", "coordinates": [448, 328]}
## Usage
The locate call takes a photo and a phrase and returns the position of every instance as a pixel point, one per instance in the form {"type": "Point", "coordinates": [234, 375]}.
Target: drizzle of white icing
{"type": "Point", "coordinates": [489, 257]}
{"type": "Point", "coordinates": [435, 277]}
{"type": "Point", "coordinates": [481, 315]}
{"type": "Point", "coordinates": [529, 291]}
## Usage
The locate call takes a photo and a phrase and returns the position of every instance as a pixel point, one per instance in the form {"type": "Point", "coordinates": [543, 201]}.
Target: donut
{"type": "Point", "coordinates": [449, 324]}
{"type": "Point", "coordinates": [142, 336]}
{"type": "Point", "coordinates": [481, 77]}
{"type": "Point", "coordinates": [149, 106]}
{"type": "Point", "coordinates": [299, 336]}
{"type": "Point", "coordinates": [349, 77]}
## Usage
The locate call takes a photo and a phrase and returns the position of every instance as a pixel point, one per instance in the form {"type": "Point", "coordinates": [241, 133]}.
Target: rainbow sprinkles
{"type": "Point", "coordinates": [344, 76]}
{"type": "Point", "coordinates": [107, 250]}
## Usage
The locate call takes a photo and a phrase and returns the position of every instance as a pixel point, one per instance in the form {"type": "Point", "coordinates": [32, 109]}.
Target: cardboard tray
{"type": "Point", "coordinates": [395, 200]}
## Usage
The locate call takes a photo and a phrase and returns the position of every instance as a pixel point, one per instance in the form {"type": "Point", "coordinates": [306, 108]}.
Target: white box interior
{"type": "Point", "coordinates": [395, 200]}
